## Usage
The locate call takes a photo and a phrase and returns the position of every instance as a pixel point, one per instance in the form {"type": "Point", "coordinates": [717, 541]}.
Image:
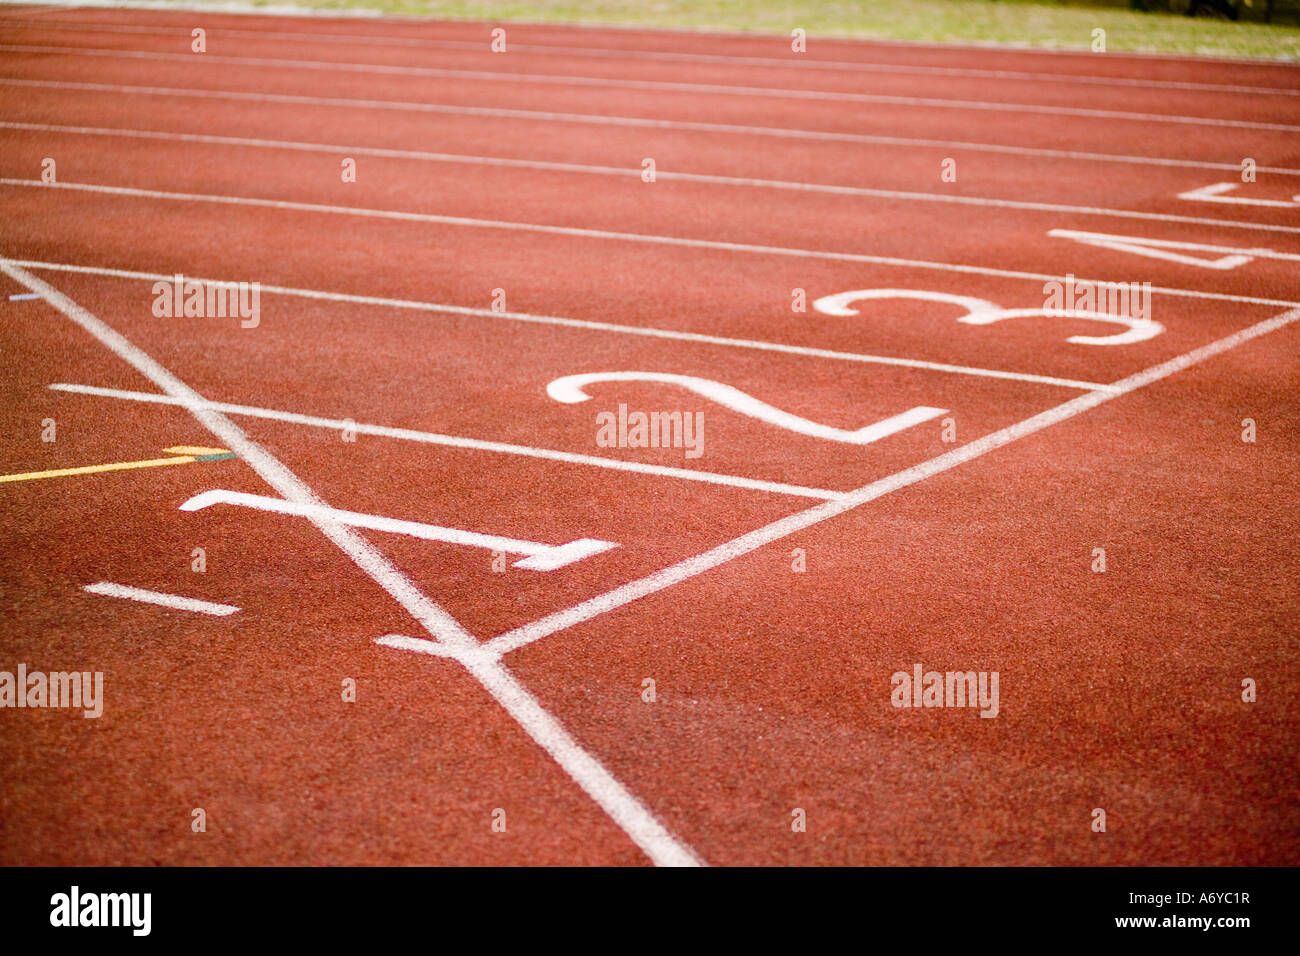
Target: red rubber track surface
{"type": "Point", "coordinates": [1119, 690]}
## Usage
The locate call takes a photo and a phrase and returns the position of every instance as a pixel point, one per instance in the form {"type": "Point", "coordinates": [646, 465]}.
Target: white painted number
{"type": "Point", "coordinates": [1218, 192]}
{"type": "Point", "coordinates": [570, 391]}
{"type": "Point", "coordinates": [1163, 249]}
{"type": "Point", "coordinates": [983, 312]}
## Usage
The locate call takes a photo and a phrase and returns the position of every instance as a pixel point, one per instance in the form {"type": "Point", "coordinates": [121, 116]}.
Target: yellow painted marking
{"type": "Point", "coordinates": [194, 450]}
{"type": "Point", "coordinates": [194, 453]}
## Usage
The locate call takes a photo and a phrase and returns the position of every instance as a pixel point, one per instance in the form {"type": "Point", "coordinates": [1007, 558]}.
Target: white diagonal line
{"type": "Point", "coordinates": [667, 577]}
{"type": "Point", "coordinates": [621, 806]}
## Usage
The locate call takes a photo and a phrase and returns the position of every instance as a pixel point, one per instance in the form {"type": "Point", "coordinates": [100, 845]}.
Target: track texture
{"type": "Point", "coordinates": [719, 687]}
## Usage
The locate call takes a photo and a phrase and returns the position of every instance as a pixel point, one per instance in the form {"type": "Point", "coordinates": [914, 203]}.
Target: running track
{"type": "Point", "coordinates": [522, 691]}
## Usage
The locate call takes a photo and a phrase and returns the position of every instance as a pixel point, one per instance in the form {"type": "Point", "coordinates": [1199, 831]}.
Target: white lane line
{"type": "Point", "coordinates": [455, 441]}
{"type": "Point", "coordinates": [546, 116]}
{"type": "Point", "coordinates": [604, 82]}
{"type": "Point", "coordinates": [622, 54]}
{"type": "Point", "coordinates": [109, 589]}
{"type": "Point", "coordinates": [650, 332]}
{"type": "Point", "coordinates": [628, 172]}
{"type": "Point", "coordinates": [537, 557]}
{"type": "Point", "coordinates": [627, 812]}
{"type": "Point", "coordinates": [404, 216]}
{"type": "Point", "coordinates": [675, 574]}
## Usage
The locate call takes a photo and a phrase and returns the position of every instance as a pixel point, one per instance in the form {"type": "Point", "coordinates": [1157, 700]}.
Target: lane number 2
{"type": "Point", "coordinates": [571, 389]}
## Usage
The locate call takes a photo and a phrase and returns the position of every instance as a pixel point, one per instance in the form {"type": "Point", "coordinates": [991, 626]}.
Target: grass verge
{"type": "Point", "coordinates": [1008, 22]}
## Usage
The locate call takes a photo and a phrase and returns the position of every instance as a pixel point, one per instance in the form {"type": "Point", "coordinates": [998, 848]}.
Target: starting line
{"type": "Point", "coordinates": [540, 557]}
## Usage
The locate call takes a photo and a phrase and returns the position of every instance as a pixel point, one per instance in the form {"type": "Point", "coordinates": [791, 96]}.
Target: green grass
{"type": "Point", "coordinates": [1017, 22]}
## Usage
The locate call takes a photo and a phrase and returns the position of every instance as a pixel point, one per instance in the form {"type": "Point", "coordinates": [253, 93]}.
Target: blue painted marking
{"type": "Point", "coordinates": [24, 296]}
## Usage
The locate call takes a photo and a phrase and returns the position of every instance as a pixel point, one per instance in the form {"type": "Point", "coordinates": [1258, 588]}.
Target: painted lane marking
{"type": "Point", "coordinates": [724, 89]}
{"type": "Point", "coordinates": [455, 441]}
{"type": "Point", "coordinates": [667, 577]}
{"type": "Point", "coordinates": [508, 162]}
{"type": "Point", "coordinates": [539, 557]}
{"type": "Point", "coordinates": [983, 312]}
{"type": "Point", "coordinates": [1218, 193]}
{"type": "Point", "coordinates": [418, 645]}
{"type": "Point", "coordinates": [1139, 330]}
{"type": "Point", "coordinates": [599, 119]}
{"type": "Point", "coordinates": [569, 390]}
{"type": "Point", "coordinates": [1229, 257]}
{"type": "Point", "coordinates": [200, 452]}
{"type": "Point", "coordinates": [109, 589]}
{"type": "Point", "coordinates": [181, 455]}
{"type": "Point", "coordinates": [627, 812]}
{"type": "Point", "coordinates": [671, 334]}
{"type": "Point", "coordinates": [24, 297]}
{"type": "Point", "coordinates": [403, 216]}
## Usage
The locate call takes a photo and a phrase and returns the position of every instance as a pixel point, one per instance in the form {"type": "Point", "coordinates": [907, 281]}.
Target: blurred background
{"type": "Point", "coordinates": [1239, 28]}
